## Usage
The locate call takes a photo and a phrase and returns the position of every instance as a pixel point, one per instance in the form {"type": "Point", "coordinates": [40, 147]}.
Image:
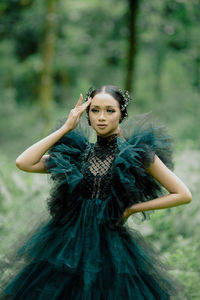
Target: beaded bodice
{"type": "Point", "coordinates": [97, 167]}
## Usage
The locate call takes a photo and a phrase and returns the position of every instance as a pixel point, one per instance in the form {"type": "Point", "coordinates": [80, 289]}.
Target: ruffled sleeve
{"type": "Point", "coordinates": [63, 165]}
{"type": "Point", "coordinates": [64, 158]}
{"type": "Point", "coordinates": [131, 182]}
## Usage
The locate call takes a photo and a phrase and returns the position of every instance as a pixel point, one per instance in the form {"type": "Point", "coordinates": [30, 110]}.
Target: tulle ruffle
{"type": "Point", "coordinates": [85, 259]}
{"type": "Point", "coordinates": [131, 182]}
{"type": "Point", "coordinates": [63, 165]}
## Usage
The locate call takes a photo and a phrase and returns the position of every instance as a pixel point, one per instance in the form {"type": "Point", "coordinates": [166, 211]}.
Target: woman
{"type": "Point", "coordinates": [85, 251]}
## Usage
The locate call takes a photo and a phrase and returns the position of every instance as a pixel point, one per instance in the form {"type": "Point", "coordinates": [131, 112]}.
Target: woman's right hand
{"type": "Point", "coordinates": [76, 113]}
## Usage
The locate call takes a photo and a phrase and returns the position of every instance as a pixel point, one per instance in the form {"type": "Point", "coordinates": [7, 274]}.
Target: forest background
{"type": "Point", "coordinates": [53, 50]}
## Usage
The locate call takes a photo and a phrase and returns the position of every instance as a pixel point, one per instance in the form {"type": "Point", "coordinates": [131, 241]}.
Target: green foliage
{"type": "Point", "coordinates": [91, 49]}
{"type": "Point", "coordinates": [23, 198]}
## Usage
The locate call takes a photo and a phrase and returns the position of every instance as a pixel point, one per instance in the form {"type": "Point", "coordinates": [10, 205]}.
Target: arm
{"type": "Point", "coordinates": [32, 159]}
{"type": "Point", "coordinates": [178, 192]}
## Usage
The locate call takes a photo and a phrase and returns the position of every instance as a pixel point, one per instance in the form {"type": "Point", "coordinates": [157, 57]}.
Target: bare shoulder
{"type": "Point", "coordinates": [168, 179]}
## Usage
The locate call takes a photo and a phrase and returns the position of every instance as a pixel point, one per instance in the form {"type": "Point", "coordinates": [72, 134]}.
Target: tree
{"type": "Point", "coordinates": [45, 95]}
{"type": "Point", "coordinates": [133, 8]}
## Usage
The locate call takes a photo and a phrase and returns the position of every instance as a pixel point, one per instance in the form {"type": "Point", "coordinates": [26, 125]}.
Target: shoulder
{"type": "Point", "coordinates": [145, 139]}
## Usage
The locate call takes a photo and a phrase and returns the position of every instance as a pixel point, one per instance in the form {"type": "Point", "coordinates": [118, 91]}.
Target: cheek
{"type": "Point", "coordinates": [116, 117]}
{"type": "Point", "coordinates": [91, 117]}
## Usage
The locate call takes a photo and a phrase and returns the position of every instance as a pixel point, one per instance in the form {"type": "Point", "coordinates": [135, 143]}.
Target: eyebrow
{"type": "Point", "coordinates": [105, 106]}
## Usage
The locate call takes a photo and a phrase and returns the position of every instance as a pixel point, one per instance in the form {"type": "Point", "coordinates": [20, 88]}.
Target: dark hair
{"type": "Point", "coordinates": [116, 93]}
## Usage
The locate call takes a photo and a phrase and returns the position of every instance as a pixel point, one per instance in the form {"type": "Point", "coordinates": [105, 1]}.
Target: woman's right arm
{"type": "Point", "coordinates": [32, 159]}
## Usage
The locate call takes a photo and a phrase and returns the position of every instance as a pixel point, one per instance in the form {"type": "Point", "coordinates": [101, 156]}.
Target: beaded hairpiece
{"type": "Point", "coordinates": [127, 98]}
{"type": "Point", "coordinates": [89, 92]}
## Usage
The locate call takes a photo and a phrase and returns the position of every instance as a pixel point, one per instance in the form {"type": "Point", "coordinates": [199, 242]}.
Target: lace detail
{"type": "Point", "coordinates": [97, 166]}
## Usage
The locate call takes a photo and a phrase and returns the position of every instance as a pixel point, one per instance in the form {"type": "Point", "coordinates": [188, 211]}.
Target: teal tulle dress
{"type": "Point", "coordinates": [85, 251]}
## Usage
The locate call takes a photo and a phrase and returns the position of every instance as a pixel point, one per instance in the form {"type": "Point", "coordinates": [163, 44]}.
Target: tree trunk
{"type": "Point", "coordinates": [45, 97]}
{"type": "Point", "coordinates": [132, 43]}
{"type": "Point", "coordinates": [158, 69]}
{"type": "Point", "coordinates": [197, 72]}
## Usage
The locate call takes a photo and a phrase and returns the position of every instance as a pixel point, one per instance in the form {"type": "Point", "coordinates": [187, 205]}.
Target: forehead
{"type": "Point", "coordinates": [103, 100]}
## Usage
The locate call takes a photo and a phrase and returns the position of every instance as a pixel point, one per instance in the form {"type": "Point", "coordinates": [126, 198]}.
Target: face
{"type": "Point", "coordinates": [104, 110]}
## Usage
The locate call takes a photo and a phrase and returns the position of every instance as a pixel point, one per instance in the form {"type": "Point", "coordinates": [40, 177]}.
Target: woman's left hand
{"type": "Point", "coordinates": [125, 216]}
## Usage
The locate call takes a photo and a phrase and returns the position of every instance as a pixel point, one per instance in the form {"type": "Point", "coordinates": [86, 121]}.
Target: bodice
{"type": "Point", "coordinates": [97, 167]}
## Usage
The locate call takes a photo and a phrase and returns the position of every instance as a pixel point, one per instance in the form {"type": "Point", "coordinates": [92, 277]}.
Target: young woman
{"type": "Point", "coordinates": [85, 251]}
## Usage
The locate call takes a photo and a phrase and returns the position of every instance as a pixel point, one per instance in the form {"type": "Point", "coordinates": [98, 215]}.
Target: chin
{"type": "Point", "coordinates": [104, 133]}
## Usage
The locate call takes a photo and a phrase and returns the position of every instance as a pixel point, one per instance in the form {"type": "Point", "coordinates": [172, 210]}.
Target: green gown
{"type": "Point", "coordinates": [85, 251]}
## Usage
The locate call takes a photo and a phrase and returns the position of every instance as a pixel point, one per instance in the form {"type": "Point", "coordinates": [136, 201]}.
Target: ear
{"type": "Point", "coordinates": [119, 131]}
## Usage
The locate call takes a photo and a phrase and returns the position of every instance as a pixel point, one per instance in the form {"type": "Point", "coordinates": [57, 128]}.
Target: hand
{"type": "Point", "coordinates": [76, 113]}
{"type": "Point", "coordinates": [125, 216]}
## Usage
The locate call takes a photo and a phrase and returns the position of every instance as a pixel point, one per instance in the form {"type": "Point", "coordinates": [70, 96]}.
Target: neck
{"type": "Point", "coordinates": [109, 140]}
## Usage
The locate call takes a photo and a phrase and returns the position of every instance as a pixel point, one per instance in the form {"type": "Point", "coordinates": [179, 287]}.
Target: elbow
{"type": "Point", "coordinates": [23, 166]}
{"type": "Point", "coordinates": [187, 198]}
{"type": "Point", "coordinates": [20, 165]}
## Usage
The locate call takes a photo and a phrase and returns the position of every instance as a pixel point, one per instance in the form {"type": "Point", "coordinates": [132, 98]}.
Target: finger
{"type": "Point", "coordinates": [85, 105]}
{"type": "Point", "coordinates": [79, 100]}
{"type": "Point", "coordinates": [88, 102]}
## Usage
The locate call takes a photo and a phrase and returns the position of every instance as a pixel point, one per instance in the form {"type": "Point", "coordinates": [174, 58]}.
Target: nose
{"type": "Point", "coordinates": [101, 116]}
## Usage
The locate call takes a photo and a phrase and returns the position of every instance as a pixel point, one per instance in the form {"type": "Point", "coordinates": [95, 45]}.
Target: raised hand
{"type": "Point", "coordinates": [76, 113]}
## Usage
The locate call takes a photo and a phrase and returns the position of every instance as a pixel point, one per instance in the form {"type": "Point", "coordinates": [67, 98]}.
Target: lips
{"type": "Point", "coordinates": [101, 125]}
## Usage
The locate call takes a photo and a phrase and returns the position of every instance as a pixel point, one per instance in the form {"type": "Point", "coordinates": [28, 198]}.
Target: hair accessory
{"type": "Point", "coordinates": [89, 92]}
{"type": "Point", "coordinates": [126, 97]}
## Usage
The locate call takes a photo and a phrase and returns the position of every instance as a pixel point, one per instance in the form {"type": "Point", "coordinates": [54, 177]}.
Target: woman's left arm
{"type": "Point", "coordinates": [178, 192]}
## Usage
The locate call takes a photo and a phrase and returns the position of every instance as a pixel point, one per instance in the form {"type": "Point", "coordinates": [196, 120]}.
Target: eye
{"type": "Point", "coordinates": [108, 110]}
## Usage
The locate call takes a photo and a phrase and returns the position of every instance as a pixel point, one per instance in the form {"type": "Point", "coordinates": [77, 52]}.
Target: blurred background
{"type": "Point", "coordinates": [53, 50]}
